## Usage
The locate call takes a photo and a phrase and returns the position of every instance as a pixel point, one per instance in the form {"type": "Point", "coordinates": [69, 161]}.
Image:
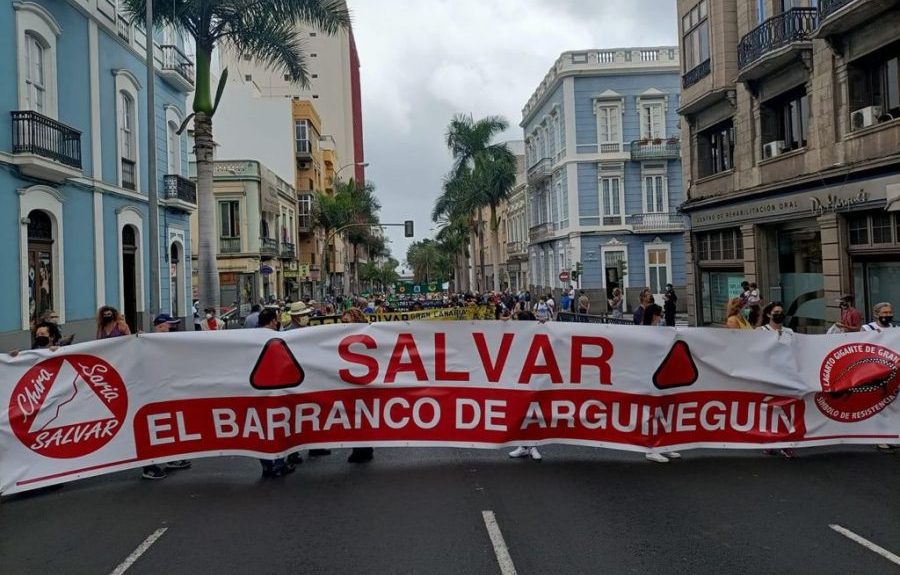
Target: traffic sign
{"type": "Point", "coordinates": [563, 276]}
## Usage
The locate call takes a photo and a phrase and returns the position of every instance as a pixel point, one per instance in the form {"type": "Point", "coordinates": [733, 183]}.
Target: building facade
{"type": "Point", "coordinates": [256, 216]}
{"type": "Point", "coordinates": [75, 172]}
{"type": "Point", "coordinates": [604, 180]}
{"type": "Point", "coordinates": [791, 118]}
{"type": "Point", "coordinates": [515, 221]}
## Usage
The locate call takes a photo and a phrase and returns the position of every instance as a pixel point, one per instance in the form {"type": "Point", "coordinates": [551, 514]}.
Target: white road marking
{"type": "Point", "coordinates": [867, 544]}
{"type": "Point", "coordinates": [500, 549]}
{"type": "Point", "coordinates": [141, 549]}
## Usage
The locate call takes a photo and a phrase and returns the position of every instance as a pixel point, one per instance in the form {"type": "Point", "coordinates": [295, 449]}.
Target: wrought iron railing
{"type": "Point", "coordinates": [268, 246]}
{"type": "Point", "coordinates": [794, 25]}
{"type": "Point", "coordinates": [173, 59]}
{"type": "Point", "coordinates": [829, 7]}
{"type": "Point", "coordinates": [178, 188]}
{"type": "Point", "coordinates": [664, 222]}
{"type": "Point", "coordinates": [696, 74]}
{"type": "Point", "coordinates": [657, 149]}
{"type": "Point", "coordinates": [129, 174]}
{"type": "Point", "coordinates": [288, 251]}
{"type": "Point", "coordinates": [34, 133]}
{"type": "Point", "coordinates": [230, 245]}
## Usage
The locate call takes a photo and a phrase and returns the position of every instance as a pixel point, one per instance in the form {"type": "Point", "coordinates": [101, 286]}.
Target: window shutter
{"type": "Point", "coordinates": [603, 136]}
{"type": "Point", "coordinates": [614, 125]}
{"type": "Point", "coordinates": [657, 123]}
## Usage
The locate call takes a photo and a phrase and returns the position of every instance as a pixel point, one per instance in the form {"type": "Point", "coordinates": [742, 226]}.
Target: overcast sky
{"type": "Point", "coordinates": [425, 60]}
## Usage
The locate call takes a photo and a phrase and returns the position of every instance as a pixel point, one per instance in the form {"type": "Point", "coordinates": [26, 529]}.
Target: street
{"type": "Point", "coordinates": [580, 510]}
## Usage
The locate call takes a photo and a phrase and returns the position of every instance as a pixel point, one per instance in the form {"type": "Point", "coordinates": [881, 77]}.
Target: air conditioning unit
{"type": "Point", "coordinates": [303, 165]}
{"type": "Point", "coordinates": [773, 149]}
{"type": "Point", "coordinates": [865, 117]}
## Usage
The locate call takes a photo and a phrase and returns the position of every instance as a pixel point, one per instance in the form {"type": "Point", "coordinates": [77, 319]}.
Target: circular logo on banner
{"type": "Point", "coordinates": [858, 381]}
{"type": "Point", "coordinates": [68, 406]}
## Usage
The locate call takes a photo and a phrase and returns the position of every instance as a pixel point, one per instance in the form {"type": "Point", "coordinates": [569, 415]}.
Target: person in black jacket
{"type": "Point", "coordinates": [669, 302]}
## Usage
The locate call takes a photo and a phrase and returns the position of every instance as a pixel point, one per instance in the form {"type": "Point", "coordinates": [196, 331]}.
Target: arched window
{"type": "Point", "coordinates": [35, 83]}
{"type": "Point", "coordinates": [37, 33]}
{"type": "Point", "coordinates": [127, 138]}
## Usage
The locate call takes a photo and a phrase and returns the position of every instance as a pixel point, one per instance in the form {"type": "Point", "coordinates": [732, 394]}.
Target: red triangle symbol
{"type": "Point", "coordinates": [276, 368]}
{"type": "Point", "coordinates": [677, 369]}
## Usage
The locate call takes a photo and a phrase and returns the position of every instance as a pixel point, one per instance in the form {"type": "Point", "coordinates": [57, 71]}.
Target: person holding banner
{"type": "Point", "coordinates": [359, 454]}
{"type": "Point", "coordinates": [884, 319]}
{"type": "Point", "coordinates": [110, 323]}
{"type": "Point", "coordinates": [164, 323]}
{"type": "Point", "coordinates": [268, 319]}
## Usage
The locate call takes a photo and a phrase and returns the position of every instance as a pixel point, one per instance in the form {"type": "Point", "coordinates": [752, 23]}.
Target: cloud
{"type": "Point", "coordinates": [425, 60]}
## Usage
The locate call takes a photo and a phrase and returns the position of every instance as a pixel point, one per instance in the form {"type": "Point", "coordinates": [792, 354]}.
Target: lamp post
{"type": "Point", "coordinates": [342, 168]}
{"type": "Point", "coordinates": [325, 275]}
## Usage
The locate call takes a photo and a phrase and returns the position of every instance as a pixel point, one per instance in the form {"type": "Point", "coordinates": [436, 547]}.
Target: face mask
{"type": "Point", "coordinates": [886, 320]}
{"type": "Point", "coordinates": [778, 318]}
{"type": "Point", "coordinates": [42, 341]}
{"type": "Point", "coordinates": [845, 305]}
{"type": "Point", "coordinates": [209, 316]}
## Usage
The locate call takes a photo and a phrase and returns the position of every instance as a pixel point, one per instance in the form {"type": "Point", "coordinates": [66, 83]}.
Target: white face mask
{"type": "Point", "coordinates": [209, 316]}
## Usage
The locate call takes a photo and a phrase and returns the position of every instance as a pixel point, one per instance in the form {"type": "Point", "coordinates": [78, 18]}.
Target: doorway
{"type": "Point", "coordinates": [40, 265]}
{"type": "Point", "coordinates": [176, 274]}
{"type": "Point", "coordinates": [129, 277]}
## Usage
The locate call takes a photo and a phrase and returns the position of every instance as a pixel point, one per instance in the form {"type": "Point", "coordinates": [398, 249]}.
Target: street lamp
{"type": "Point", "coordinates": [342, 168]}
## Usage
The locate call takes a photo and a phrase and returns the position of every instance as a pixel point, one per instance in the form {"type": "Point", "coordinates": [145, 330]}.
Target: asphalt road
{"type": "Point", "coordinates": [417, 511]}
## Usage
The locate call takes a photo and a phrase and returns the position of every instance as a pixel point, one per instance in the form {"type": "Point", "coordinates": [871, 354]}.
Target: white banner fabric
{"type": "Point", "coordinates": [109, 405]}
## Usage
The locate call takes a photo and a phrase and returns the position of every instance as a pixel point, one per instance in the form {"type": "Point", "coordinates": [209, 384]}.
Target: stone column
{"type": "Point", "coordinates": [750, 258]}
{"type": "Point", "coordinates": [692, 278]}
{"type": "Point", "coordinates": [835, 265]}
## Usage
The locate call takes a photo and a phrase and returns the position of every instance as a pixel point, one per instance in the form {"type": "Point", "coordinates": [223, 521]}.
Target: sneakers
{"type": "Point", "coordinates": [657, 457]}
{"type": "Point", "coordinates": [535, 454]}
{"type": "Point", "coordinates": [885, 447]}
{"type": "Point", "coordinates": [294, 459]}
{"type": "Point", "coordinates": [361, 455]}
{"type": "Point", "coordinates": [520, 452]}
{"type": "Point", "coordinates": [153, 472]}
{"type": "Point", "coordinates": [180, 464]}
{"type": "Point", "coordinates": [673, 455]}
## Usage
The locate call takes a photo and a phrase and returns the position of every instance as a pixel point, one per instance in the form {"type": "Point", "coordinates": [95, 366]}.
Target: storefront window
{"type": "Point", "coordinates": [801, 282]}
{"type": "Point", "coordinates": [881, 229]}
{"type": "Point", "coordinates": [878, 282]}
{"type": "Point", "coordinates": [859, 231]}
{"type": "Point", "coordinates": [718, 288]}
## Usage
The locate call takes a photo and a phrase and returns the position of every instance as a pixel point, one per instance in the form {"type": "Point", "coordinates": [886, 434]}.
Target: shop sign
{"type": "Point", "coordinates": [803, 204]}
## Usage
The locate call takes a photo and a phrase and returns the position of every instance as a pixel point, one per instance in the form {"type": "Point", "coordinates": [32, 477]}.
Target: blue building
{"type": "Point", "coordinates": [604, 173]}
{"type": "Point", "coordinates": [74, 168]}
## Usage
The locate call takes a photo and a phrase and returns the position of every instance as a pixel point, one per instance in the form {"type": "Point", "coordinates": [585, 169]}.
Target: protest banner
{"type": "Point", "coordinates": [115, 404]}
{"type": "Point", "coordinates": [469, 313]}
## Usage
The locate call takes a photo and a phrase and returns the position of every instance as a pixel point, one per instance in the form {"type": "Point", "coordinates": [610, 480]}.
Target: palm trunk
{"type": "Point", "coordinates": [483, 286]}
{"type": "Point", "coordinates": [207, 268]}
{"type": "Point", "coordinates": [495, 247]}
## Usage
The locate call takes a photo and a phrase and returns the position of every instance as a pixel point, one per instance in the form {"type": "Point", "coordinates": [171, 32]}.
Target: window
{"type": "Point", "coordinates": [881, 229]}
{"type": "Point", "coordinates": [302, 137]}
{"type": "Point", "coordinates": [653, 120]}
{"type": "Point", "coordinates": [658, 270]}
{"type": "Point", "coordinates": [695, 36]}
{"type": "Point", "coordinates": [35, 87]}
{"type": "Point", "coordinates": [304, 215]}
{"type": "Point", "coordinates": [40, 264]}
{"type": "Point", "coordinates": [875, 81]}
{"type": "Point", "coordinates": [874, 231]}
{"type": "Point", "coordinates": [173, 149]}
{"type": "Point", "coordinates": [761, 11]}
{"type": "Point", "coordinates": [786, 119]}
{"type": "Point", "coordinates": [611, 201]}
{"type": "Point", "coordinates": [715, 149]}
{"type": "Point", "coordinates": [655, 196]}
{"type": "Point", "coordinates": [36, 36]}
{"type": "Point", "coordinates": [720, 245]}
{"type": "Point", "coordinates": [230, 219]}
{"type": "Point", "coordinates": [608, 123]}
{"type": "Point", "coordinates": [128, 142]}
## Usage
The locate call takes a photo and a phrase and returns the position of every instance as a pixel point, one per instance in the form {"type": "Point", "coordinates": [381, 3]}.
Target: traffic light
{"type": "Point", "coordinates": [579, 269]}
{"type": "Point", "coordinates": [408, 229]}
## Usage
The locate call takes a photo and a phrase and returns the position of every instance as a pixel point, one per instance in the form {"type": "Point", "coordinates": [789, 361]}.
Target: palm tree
{"type": "Point", "coordinates": [264, 30]}
{"type": "Point", "coordinates": [364, 207]}
{"type": "Point", "coordinates": [453, 237]}
{"type": "Point", "coordinates": [483, 175]}
{"type": "Point", "coordinates": [330, 212]}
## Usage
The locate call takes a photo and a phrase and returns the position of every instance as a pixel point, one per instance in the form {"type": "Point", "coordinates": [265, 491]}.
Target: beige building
{"type": "Point", "coordinates": [791, 151]}
{"type": "Point", "coordinates": [515, 219]}
{"type": "Point", "coordinates": [256, 219]}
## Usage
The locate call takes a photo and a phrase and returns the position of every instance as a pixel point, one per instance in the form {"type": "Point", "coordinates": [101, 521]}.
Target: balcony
{"type": "Point", "coordinates": [516, 248]}
{"type": "Point", "coordinates": [656, 149]}
{"type": "Point", "coordinates": [776, 42]}
{"type": "Point", "coordinates": [288, 251]}
{"type": "Point", "coordinates": [540, 171]}
{"type": "Point", "coordinates": [840, 16]}
{"type": "Point", "coordinates": [268, 247]}
{"type": "Point", "coordinates": [177, 69]}
{"type": "Point", "coordinates": [230, 245]}
{"type": "Point", "coordinates": [541, 232]}
{"type": "Point", "coordinates": [304, 150]}
{"type": "Point", "coordinates": [657, 223]}
{"type": "Point", "coordinates": [180, 193]}
{"type": "Point", "coordinates": [696, 74]}
{"type": "Point", "coordinates": [44, 148]}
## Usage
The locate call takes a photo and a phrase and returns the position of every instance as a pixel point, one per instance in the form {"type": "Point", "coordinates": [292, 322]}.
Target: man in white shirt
{"type": "Point", "coordinates": [884, 318]}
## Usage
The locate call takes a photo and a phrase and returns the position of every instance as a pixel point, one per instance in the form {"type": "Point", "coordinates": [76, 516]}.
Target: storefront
{"type": "Point", "coordinates": [803, 249]}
